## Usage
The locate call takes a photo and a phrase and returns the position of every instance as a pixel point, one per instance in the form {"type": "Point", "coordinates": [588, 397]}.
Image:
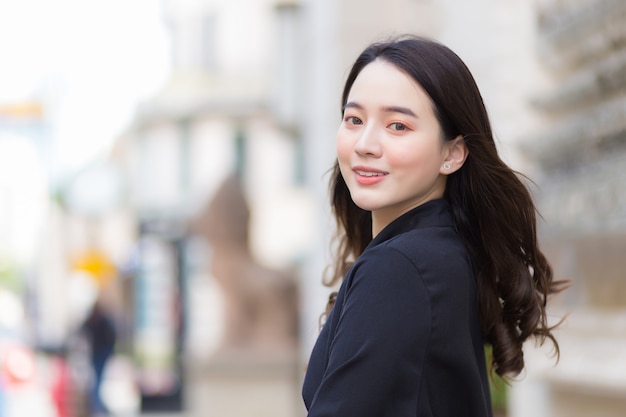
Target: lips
{"type": "Point", "coordinates": [368, 176]}
{"type": "Point", "coordinates": [369, 172]}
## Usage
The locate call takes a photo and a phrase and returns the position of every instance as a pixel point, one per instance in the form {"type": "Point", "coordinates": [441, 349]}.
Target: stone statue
{"type": "Point", "coordinates": [261, 303]}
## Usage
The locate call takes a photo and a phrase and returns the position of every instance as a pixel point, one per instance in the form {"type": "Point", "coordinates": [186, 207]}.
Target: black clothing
{"type": "Point", "coordinates": [100, 332]}
{"type": "Point", "coordinates": [403, 338]}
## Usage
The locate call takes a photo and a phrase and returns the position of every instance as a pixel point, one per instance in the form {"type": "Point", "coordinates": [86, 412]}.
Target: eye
{"type": "Point", "coordinates": [397, 126]}
{"type": "Point", "coordinates": [353, 120]}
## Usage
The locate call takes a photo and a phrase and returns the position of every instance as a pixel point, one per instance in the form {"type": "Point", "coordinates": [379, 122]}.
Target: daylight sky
{"type": "Point", "coordinates": [88, 62]}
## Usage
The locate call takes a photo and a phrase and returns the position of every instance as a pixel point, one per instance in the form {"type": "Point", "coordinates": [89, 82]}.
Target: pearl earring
{"type": "Point", "coordinates": [446, 166]}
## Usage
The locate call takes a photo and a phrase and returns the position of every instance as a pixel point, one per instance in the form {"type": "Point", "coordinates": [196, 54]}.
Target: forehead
{"type": "Point", "coordinates": [381, 81]}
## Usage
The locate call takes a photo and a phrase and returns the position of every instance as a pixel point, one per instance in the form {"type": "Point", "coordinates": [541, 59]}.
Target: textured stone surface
{"type": "Point", "coordinates": [582, 151]}
{"type": "Point", "coordinates": [581, 195]}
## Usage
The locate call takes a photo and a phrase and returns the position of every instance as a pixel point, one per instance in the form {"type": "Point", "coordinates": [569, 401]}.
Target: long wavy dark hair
{"type": "Point", "coordinates": [493, 209]}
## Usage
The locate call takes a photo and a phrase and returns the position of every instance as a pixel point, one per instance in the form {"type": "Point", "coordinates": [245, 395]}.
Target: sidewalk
{"type": "Point", "coordinates": [120, 392]}
{"type": "Point", "coordinates": [159, 415]}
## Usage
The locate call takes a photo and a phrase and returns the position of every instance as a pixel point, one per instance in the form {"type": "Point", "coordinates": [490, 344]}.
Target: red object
{"type": "Point", "coordinates": [61, 388]}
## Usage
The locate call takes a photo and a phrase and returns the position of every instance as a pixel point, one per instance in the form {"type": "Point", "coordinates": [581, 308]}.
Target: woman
{"type": "Point", "coordinates": [437, 246]}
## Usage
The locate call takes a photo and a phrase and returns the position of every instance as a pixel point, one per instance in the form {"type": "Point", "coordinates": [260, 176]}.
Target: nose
{"type": "Point", "coordinates": [368, 143]}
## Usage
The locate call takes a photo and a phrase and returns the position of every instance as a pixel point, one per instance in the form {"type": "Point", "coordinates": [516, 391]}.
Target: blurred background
{"type": "Point", "coordinates": [167, 161]}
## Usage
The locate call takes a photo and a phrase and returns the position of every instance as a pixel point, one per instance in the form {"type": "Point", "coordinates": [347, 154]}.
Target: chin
{"type": "Point", "coordinates": [367, 206]}
{"type": "Point", "coordinates": [365, 201]}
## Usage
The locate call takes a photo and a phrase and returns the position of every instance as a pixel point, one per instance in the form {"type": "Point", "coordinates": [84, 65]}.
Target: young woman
{"type": "Point", "coordinates": [437, 246]}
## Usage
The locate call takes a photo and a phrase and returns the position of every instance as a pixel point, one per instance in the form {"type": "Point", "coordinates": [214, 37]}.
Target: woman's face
{"type": "Point", "coordinates": [389, 145]}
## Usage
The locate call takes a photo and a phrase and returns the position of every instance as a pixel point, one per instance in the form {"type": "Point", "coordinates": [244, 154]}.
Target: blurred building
{"type": "Point", "coordinates": [228, 109]}
{"type": "Point", "coordinates": [24, 166]}
{"type": "Point", "coordinates": [255, 90]}
{"type": "Point", "coordinates": [581, 155]}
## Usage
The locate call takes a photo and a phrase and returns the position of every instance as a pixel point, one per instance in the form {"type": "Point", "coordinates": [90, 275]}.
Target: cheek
{"type": "Point", "coordinates": [343, 146]}
{"type": "Point", "coordinates": [402, 159]}
{"type": "Point", "coordinates": [423, 158]}
{"type": "Point", "coordinates": [407, 158]}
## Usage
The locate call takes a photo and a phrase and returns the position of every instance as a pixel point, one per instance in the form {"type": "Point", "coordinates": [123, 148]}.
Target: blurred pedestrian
{"type": "Point", "coordinates": [100, 333]}
{"type": "Point", "coordinates": [437, 246]}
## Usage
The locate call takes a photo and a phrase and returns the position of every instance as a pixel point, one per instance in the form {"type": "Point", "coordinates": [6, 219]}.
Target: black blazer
{"type": "Point", "coordinates": [403, 338]}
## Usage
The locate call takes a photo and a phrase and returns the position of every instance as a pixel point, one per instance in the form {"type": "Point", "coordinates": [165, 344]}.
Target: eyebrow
{"type": "Point", "coordinates": [386, 109]}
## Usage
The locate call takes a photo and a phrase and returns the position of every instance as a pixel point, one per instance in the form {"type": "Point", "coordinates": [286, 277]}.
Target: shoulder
{"type": "Point", "coordinates": [383, 282]}
{"type": "Point", "coordinates": [383, 260]}
{"type": "Point", "coordinates": [418, 249]}
{"type": "Point", "coordinates": [425, 254]}
{"type": "Point", "coordinates": [426, 240]}
{"type": "Point", "coordinates": [385, 286]}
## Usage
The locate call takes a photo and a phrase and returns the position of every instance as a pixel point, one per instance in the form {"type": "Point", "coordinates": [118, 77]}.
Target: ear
{"type": "Point", "coordinates": [455, 153]}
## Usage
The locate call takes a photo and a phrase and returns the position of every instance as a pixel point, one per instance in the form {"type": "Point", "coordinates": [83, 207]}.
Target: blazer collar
{"type": "Point", "coordinates": [434, 213]}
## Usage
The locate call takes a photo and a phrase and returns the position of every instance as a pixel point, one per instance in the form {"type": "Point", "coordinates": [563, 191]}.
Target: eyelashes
{"type": "Point", "coordinates": [395, 126]}
{"type": "Point", "coordinates": [353, 120]}
{"type": "Point", "coordinates": [398, 126]}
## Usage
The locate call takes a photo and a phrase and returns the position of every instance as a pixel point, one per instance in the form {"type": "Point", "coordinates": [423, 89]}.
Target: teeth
{"type": "Point", "coordinates": [369, 174]}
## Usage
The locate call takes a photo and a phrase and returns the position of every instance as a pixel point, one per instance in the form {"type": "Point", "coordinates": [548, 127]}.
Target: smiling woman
{"type": "Point", "coordinates": [389, 145]}
{"type": "Point", "coordinates": [438, 253]}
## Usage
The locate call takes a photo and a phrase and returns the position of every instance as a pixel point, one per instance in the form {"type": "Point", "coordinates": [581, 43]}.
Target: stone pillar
{"type": "Point", "coordinates": [581, 157]}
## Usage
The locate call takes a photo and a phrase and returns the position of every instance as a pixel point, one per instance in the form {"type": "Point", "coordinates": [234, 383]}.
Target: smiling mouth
{"type": "Point", "coordinates": [370, 173]}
